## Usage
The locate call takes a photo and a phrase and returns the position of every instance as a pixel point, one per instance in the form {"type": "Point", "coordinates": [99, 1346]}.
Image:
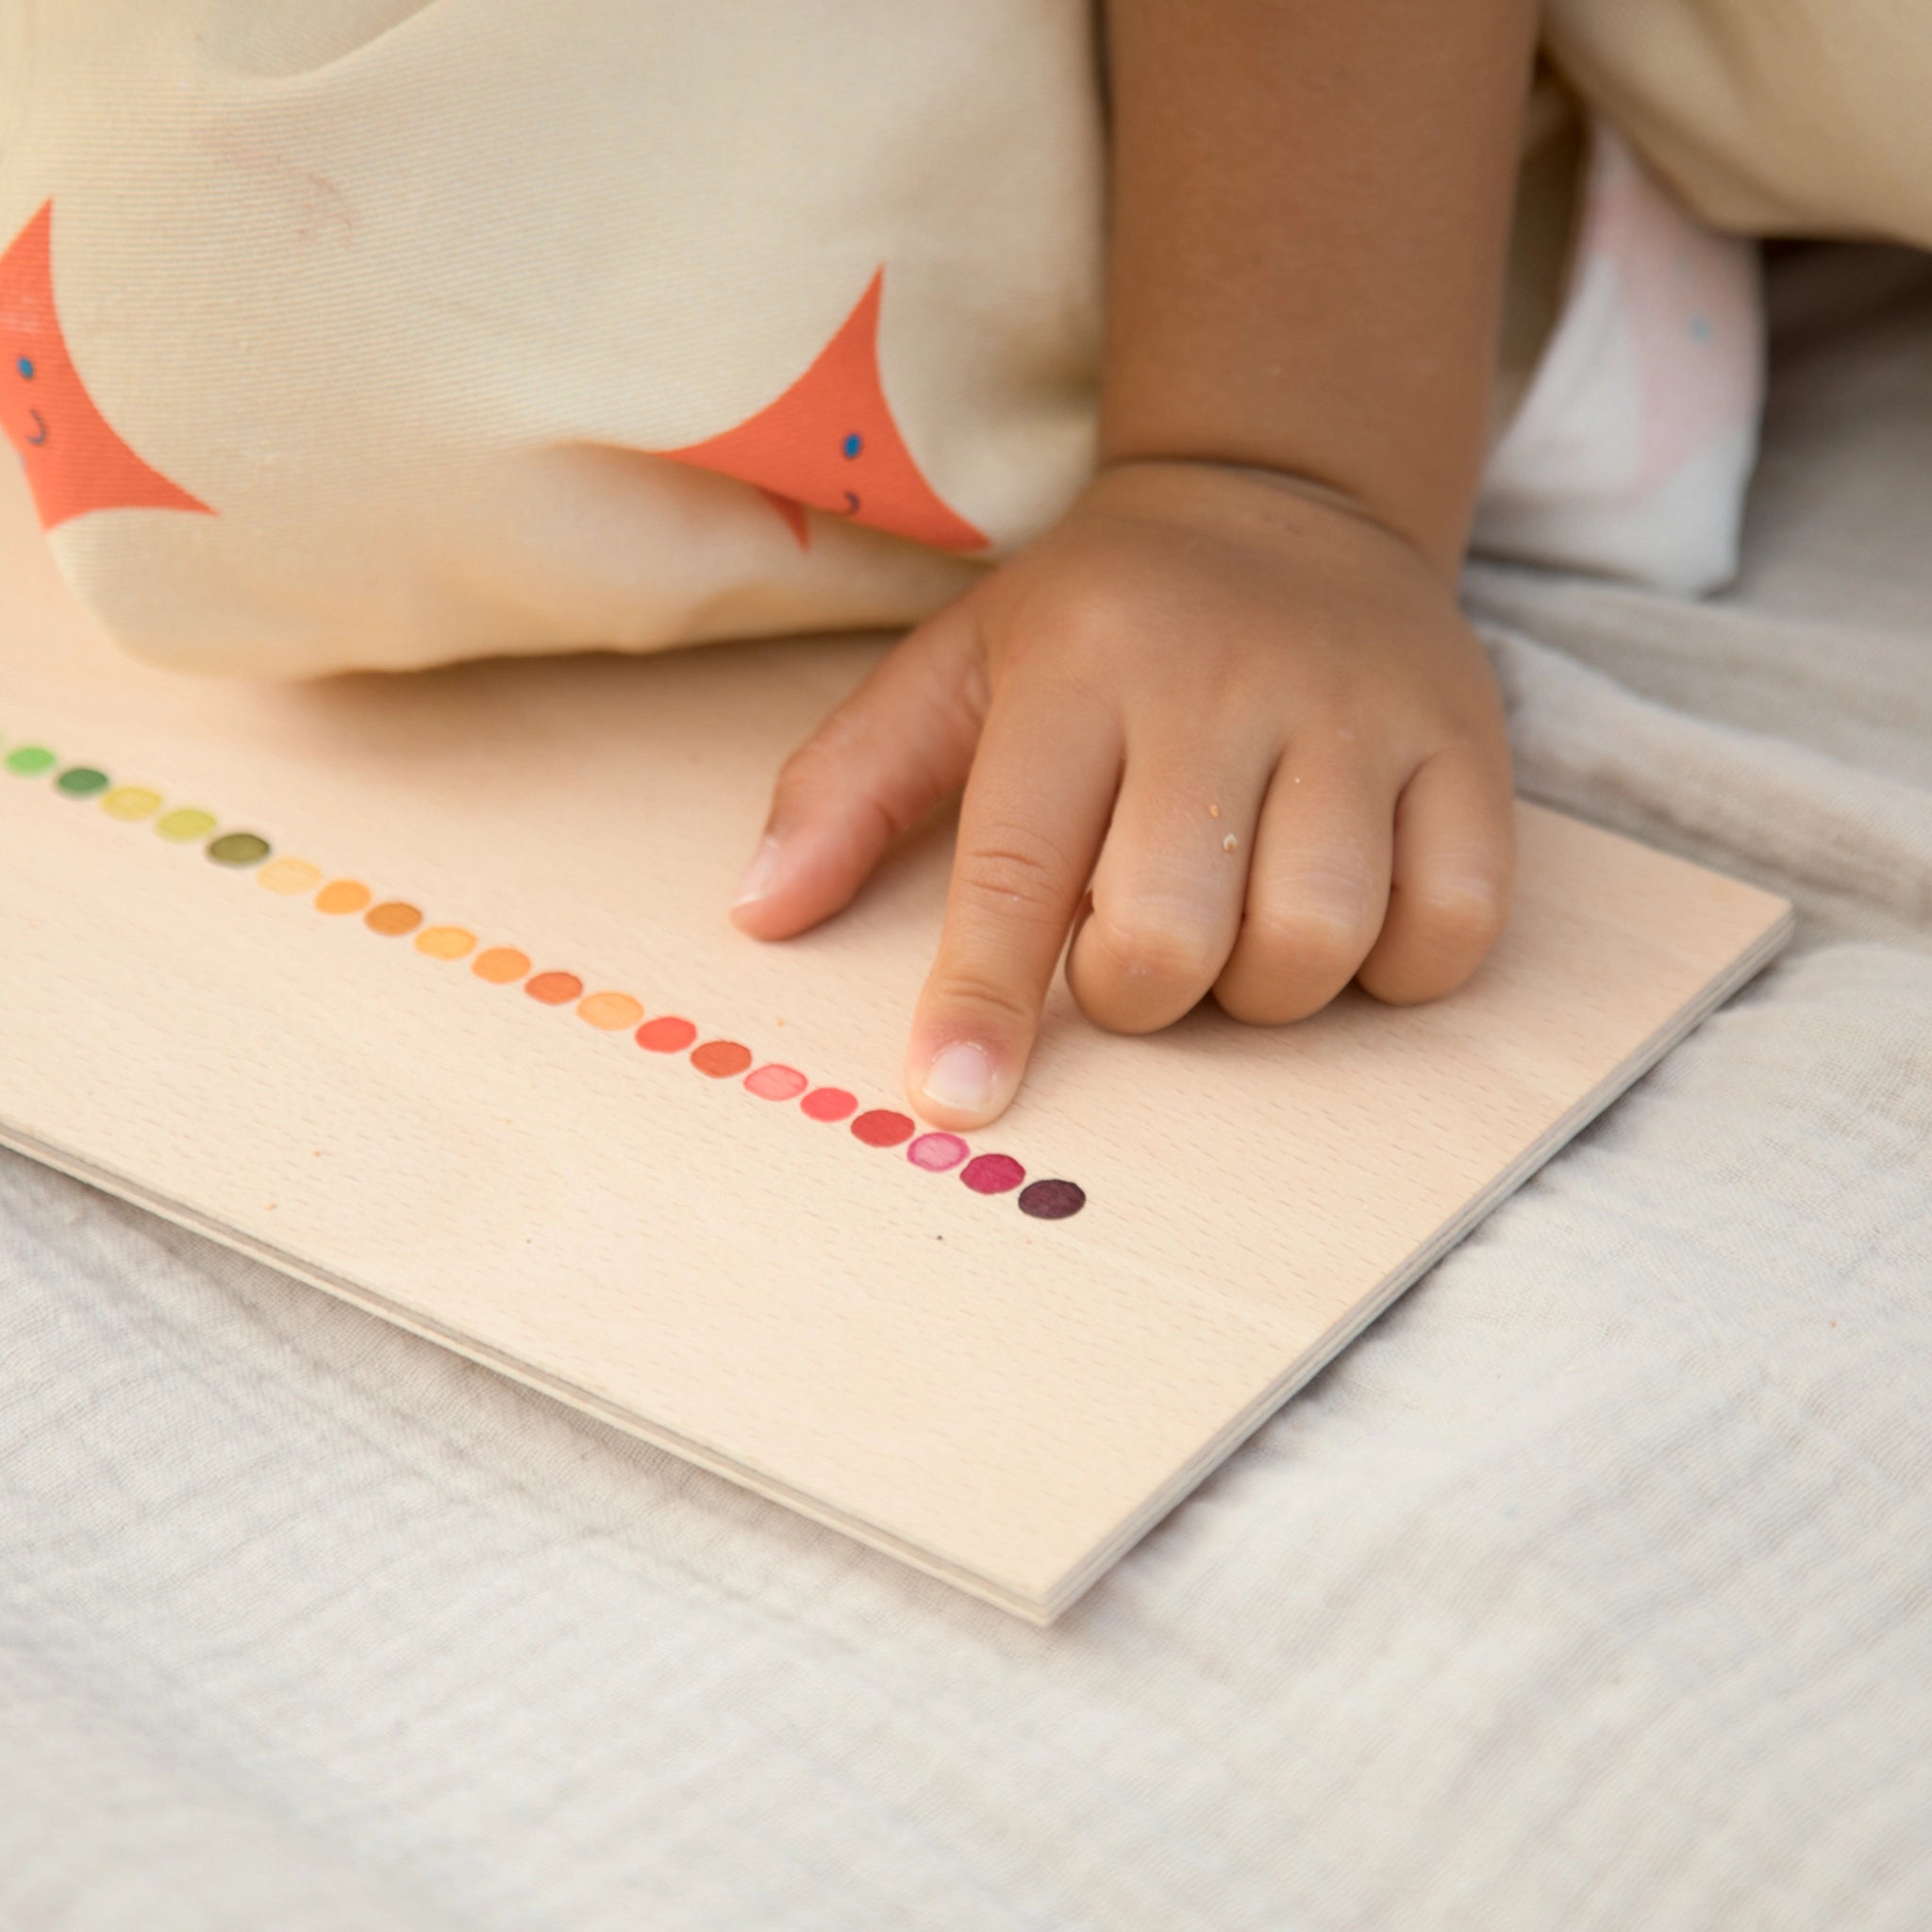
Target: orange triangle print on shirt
{"type": "Point", "coordinates": [75, 462]}
{"type": "Point", "coordinates": [831, 441]}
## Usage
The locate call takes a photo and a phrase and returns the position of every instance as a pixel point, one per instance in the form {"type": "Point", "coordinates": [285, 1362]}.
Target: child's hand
{"type": "Point", "coordinates": [1257, 711]}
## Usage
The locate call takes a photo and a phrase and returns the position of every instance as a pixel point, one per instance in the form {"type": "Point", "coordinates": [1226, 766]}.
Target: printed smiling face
{"type": "Point", "coordinates": [831, 441]}
{"type": "Point", "coordinates": [75, 462]}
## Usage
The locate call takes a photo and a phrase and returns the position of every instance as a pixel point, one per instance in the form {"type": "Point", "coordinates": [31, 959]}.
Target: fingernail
{"type": "Point", "coordinates": [761, 875]}
{"type": "Point", "coordinates": [961, 1075]}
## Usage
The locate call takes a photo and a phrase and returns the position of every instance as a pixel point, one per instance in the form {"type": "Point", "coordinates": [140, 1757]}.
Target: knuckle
{"type": "Point", "coordinates": [1462, 916]}
{"type": "Point", "coordinates": [1160, 950]}
{"type": "Point", "coordinates": [966, 992]}
{"type": "Point", "coordinates": [1311, 942]}
{"type": "Point", "coordinates": [1078, 615]}
{"type": "Point", "coordinates": [1008, 869]}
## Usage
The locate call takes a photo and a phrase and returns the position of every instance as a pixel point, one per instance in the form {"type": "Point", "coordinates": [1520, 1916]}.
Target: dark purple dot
{"type": "Point", "coordinates": [1052, 1200]}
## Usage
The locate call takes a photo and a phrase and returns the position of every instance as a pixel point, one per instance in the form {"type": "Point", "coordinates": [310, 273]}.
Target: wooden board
{"type": "Point", "coordinates": [888, 1334]}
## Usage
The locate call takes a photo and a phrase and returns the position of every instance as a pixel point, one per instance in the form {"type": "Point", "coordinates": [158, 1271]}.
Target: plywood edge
{"type": "Point", "coordinates": [1740, 971]}
{"type": "Point", "coordinates": [1039, 1609]}
{"type": "Point", "coordinates": [544, 1381]}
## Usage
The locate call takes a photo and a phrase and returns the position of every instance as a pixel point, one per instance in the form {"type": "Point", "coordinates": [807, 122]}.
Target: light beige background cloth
{"type": "Point", "coordinates": [1590, 1590]}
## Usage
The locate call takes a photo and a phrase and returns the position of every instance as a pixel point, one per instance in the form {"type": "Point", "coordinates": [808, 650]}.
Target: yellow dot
{"type": "Point", "coordinates": [501, 965]}
{"type": "Point", "coordinates": [445, 941]}
{"type": "Point", "coordinates": [128, 803]}
{"type": "Point", "coordinates": [287, 876]}
{"type": "Point", "coordinates": [610, 1010]}
{"type": "Point", "coordinates": [185, 824]}
{"type": "Point", "coordinates": [343, 895]}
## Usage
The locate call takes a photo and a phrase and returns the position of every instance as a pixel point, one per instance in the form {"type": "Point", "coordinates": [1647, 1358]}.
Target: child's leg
{"type": "Point", "coordinates": [1628, 447]}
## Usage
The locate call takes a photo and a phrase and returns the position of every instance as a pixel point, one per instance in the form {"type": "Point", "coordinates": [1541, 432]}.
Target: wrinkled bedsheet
{"type": "Point", "coordinates": [1590, 1590]}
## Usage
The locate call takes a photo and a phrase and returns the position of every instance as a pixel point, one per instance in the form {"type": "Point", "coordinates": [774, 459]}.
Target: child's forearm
{"type": "Point", "coordinates": [1311, 205]}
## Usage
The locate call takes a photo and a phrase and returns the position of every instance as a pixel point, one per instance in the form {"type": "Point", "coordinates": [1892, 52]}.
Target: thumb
{"type": "Point", "coordinates": [898, 746]}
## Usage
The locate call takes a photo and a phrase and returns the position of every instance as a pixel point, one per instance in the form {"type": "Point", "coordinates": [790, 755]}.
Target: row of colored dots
{"type": "Point", "coordinates": [936, 1152]}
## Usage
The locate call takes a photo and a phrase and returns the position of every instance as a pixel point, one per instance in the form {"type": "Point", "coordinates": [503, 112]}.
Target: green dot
{"type": "Point", "coordinates": [239, 848]}
{"type": "Point", "coordinates": [29, 759]}
{"type": "Point", "coordinates": [81, 781]}
{"type": "Point", "coordinates": [185, 824]}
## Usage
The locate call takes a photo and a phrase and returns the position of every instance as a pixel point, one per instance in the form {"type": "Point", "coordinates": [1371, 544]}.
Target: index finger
{"type": "Point", "coordinates": [1031, 823]}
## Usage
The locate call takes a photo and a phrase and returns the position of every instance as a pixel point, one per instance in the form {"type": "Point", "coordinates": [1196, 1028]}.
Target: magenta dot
{"type": "Point", "coordinates": [993, 1174]}
{"type": "Point", "coordinates": [882, 1127]}
{"type": "Point", "coordinates": [775, 1082]}
{"type": "Point", "coordinates": [1053, 1200]}
{"type": "Point", "coordinates": [827, 1104]}
{"type": "Point", "coordinates": [666, 1034]}
{"type": "Point", "coordinates": [936, 1153]}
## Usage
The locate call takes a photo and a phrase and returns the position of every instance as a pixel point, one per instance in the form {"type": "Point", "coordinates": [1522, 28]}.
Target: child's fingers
{"type": "Point", "coordinates": [1030, 824]}
{"type": "Point", "coordinates": [1168, 891]}
{"type": "Point", "coordinates": [1455, 865]}
{"type": "Point", "coordinates": [901, 743]}
{"type": "Point", "coordinates": [1316, 890]}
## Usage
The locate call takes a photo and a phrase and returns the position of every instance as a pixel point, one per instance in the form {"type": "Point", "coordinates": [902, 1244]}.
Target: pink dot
{"type": "Point", "coordinates": [936, 1153]}
{"type": "Point", "coordinates": [666, 1034]}
{"type": "Point", "coordinates": [774, 1082]}
{"type": "Point", "coordinates": [827, 1104]}
{"type": "Point", "coordinates": [993, 1174]}
{"type": "Point", "coordinates": [882, 1127]}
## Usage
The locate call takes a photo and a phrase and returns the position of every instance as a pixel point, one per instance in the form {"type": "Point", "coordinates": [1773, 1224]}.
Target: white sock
{"type": "Point", "coordinates": [1633, 444]}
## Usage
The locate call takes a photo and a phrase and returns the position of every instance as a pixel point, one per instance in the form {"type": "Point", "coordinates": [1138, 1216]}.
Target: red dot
{"type": "Point", "coordinates": [882, 1127]}
{"type": "Point", "coordinates": [827, 1104]}
{"type": "Point", "coordinates": [993, 1174]}
{"type": "Point", "coordinates": [721, 1058]}
{"type": "Point", "coordinates": [666, 1034]}
{"type": "Point", "coordinates": [554, 988]}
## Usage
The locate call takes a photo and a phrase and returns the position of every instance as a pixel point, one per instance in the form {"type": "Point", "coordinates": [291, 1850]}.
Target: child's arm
{"type": "Point", "coordinates": [1231, 688]}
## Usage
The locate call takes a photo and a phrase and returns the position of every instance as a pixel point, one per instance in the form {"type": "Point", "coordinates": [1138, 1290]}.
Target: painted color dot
{"type": "Point", "coordinates": [189, 823]}
{"type": "Point", "coordinates": [852, 445]}
{"type": "Point", "coordinates": [828, 1103]}
{"type": "Point", "coordinates": [937, 1152]}
{"type": "Point", "coordinates": [500, 965]}
{"type": "Point", "coordinates": [882, 1127]}
{"type": "Point", "coordinates": [81, 781]}
{"type": "Point", "coordinates": [993, 1174]}
{"type": "Point", "coordinates": [26, 365]}
{"type": "Point", "coordinates": [1052, 1200]}
{"type": "Point", "coordinates": [612, 1011]}
{"type": "Point", "coordinates": [129, 803]}
{"type": "Point", "coordinates": [721, 1058]}
{"type": "Point", "coordinates": [393, 918]}
{"type": "Point", "coordinates": [555, 989]}
{"type": "Point", "coordinates": [343, 895]}
{"type": "Point", "coordinates": [666, 1034]}
{"type": "Point", "coordinates": [238, 848]}
{"type": "Point", "coordinates": [287, 876]}
{"type": "Point", "coordinates": [29, 760]}
{"type": "Point", "coordinates": [774, 1082]}
{"type": "Point", "coordinates": [445, 941]}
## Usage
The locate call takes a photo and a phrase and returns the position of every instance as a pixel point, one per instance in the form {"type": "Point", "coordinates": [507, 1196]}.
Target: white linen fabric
{"type": "Point", "coordinates": [1591, 1589]}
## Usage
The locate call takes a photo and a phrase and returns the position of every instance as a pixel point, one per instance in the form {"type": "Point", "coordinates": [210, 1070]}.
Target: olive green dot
{"type": "Point", "coordinates": [81, 781]}
{"type": "Point", "coordinates": [239, 848]}
{"type": "Point", "coordinates": [185, 824]}
{"type": "Point", "coordinates": [29, 760]}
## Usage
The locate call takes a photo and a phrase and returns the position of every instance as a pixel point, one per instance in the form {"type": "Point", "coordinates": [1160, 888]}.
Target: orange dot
{"type": "Point", "coordinates": [610, 1010]}
{"type": "Point", "coordinates": [721, 1058]}
{"type": "Point", "coordinates": [667, 1033]}
{"type": "Point", "coordinates": [500, 965]}
{"type": "Point", "coordinates": [444, 941]}
{"type": "Point", "coordinates": [393, 918]}
{"type": "Point", "coordinates": [554, 988]}
{"type": "Point", "coordinates": [343, 895]}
